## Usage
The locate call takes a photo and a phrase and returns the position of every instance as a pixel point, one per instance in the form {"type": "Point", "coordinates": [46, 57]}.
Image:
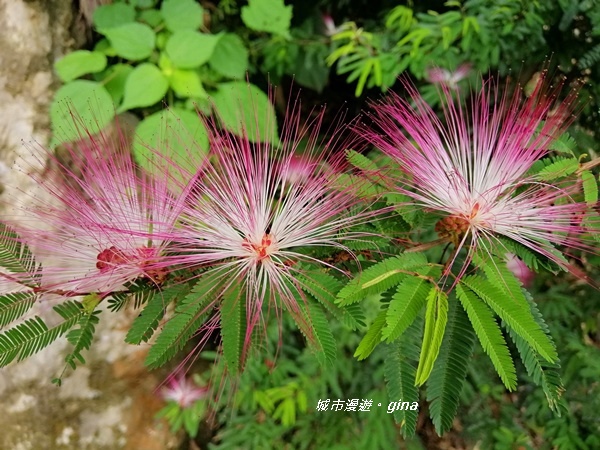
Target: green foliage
{"type": "Point", "coordinates": [32, 335]}
{"type": "Point", "coordinates": [13, 306]}
{"type": "Point", "coordinates": [15, 255]}
{"type": "Point", "coordinates": [450, 370]}
{"type": "Point", "coordinates": [489, 335]}
{"type": "Point", "coordinates": [189, 317]}
{"type": "Point", "coordinates": [81, 337]}
{"type": "Point", "coordinates": [590, 187]}
{"type": "Point", "coordinates": [381, 277]}
{"type": "Point", "coordinates": [144, 325]}
{"type": "Point", "coordinates": [400, 375]}
{"type": "Point", "coordinates": [271, 16]}
{"type": "Point", "coordinates": [436, 317]}
{"type": "Point", "coordinates": [234, 322]}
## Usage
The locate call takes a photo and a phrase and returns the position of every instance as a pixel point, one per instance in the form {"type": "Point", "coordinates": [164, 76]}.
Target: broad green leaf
{"type": "Point", "coordinates": [190, 49]}
{"type": "Point", "coordinates": [590, 187]}
{"type": "Point", "coordinates": [182, 14]}
{"type": "Point", "coordinates": [517, 317]}
{"type": "Point", "coordinates": [151, 17]}
{"type": "Point", "coordinates": [246, 111]}
{"type": "Point", "coordinates": [133, 41]}
{"type": "Point", "coordinates": [230, 57]}
{"type": "Point", "coordinates": [78, 108]}
{"type": "Point", "coordinates": [489, 335]}
{"type": "Point", "coordinates": [450, 370]}
{"type": "Point", "coordinates": [372, 338]}
{"type": "Point", "coordinates": [234, 335]}
{"type": "Point", "coordinates": [115, 79]}
{"type": "Point", "coordinates": [177, 134]}
{"type": "Point", "coordinates": [271, 16]}
{"type": "Point", "coordinates": [436, 318]}
{"type": "Point", "coordinates": [79, 62]}
{"type": "Point", "coordinates": [381, 277]}
{"type": "Point", "coordinates": [186, 83]}
{"type": "Point", "coordinates": [111, 16]}
{"type": "Point", "coordinates": [405, 305]}
{"type": "Point", "coordinates": [145, 86]}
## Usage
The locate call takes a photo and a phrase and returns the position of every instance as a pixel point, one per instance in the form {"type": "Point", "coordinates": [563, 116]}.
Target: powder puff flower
{"type": "Point", "coordinates": [260, 207]}
{"type": "Point", "coordinates": [449, 79]}
{"type": "Point", "coordinates": [183, 392]}
{"type": "Point", "coordinates": [105, 222]}
{"type": "Point", "coordinates": [472, 168]}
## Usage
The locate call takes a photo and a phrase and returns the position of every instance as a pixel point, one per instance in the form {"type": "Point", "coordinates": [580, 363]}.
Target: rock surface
{"type": "Point", "coordinates": [110, 402]}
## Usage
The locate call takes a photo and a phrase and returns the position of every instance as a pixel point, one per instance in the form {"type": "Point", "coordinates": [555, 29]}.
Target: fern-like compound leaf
{"type": "Point", "coordinates": [144, 325]}
{"type": "Point", "coordinates": [381, 277]}
{"type": "Point", "coordinates": [406, 303]}
{"type": "Point", "coordinates": [518, 318]}
{"type": "Point", "coordinates": [81, 338]}
{"type": "Point", "coordinates": [436, 317]}
{"type": "Point", "coordinates": [233, 328]}
{"type": "Point", "coordinates": [543, 373]}
{"type": "Point", "coordinates": [399, 372]}
{"type": "Point", "coordinates": [372, 337]}
{"type": "Point", "coordinates": [590, 187]}
{"type": "Point", "coordinates": [489, 335]}
{"type": "Point", "coordinates": [189, 316]}
{"type": "Point", "coordinates": [33, 335]}
{"type": "Point", "coordinates": [14, 306]}
{"type": "Point", "coordinates": [324, 288]}
{"type": "Point", "coordinates": [450, 370]}
{"type": "Point", "coordinates": [15, 255]}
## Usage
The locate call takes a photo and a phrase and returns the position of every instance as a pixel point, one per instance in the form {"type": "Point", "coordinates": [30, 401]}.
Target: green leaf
{"type": "Point", "coordinates": [360, 161]}
{"type": "Point", "coordinates": [489, 336]}
{"type": "Point", "coordinates": [543, 373]}
{"type": "Point", "coordinates": [234, 329]}
{"type": "Point", "coordinates": [564, 144]}
{"type": "Point", "coordinates": [144, 325]}
{"type": "Point", "coordinates": [78, 108]}
{"type": "Point", "coordinates": [381, 277]}
{"type": "Point", "coordinates": [78, 63]}
{"type": "Point", "coordinates": [13, 306]}
{"type": "Point", "coordinates": [33, 335]}
{"type": "Point", "coordinates": [405, 305]}
{"type": "Point", "coordinates": [133, 41]}
{"type": "Point", "coordinates": [590, 187]}
{"type": "Point", "coordinates": [450, 370]}
{"type": "Point", "coordinates": [81, 338]}
{"type": "Point", "coordinates": [436, 318]}
{"type": "Point", "coordinates": [560, 168]}
{"type": "Point", "coordinates": [179, 134]}
{"type": "Point", "coordinates": [246, 111]}
{"type": "Point", "coordinates": [230, 57]}
{"type": "Point", "coordinates": [111, 16]}
{"type": "Point", "coordinates": [182, 14]}
{"type": "Point", "coordinates": [372, 338]}
{"type": "Point", "coordinates": [115, 79]}
{"type": "Point", "coordinates": [15, 255]}
{"type": "Point", "coordinates": [188, 318]}
{"type": "Point", "coordinates": [514, 315]}
{"type": "Point", "coordinates": [322, 340]}
{"type": "Point", "coordinates": [186, 83]}
{"type": "Point", "coordinates": [190, 49]}
{"type": "Point", "coordinates": [323, 288]}
{"type": "Point", "coordinates": [271, 16]}
{"type": "Point", "coordinates": [498, 274]}
{"type": "Point", "coordinates": [145, 86]}
{"type": "Point", "coordinates": [399, 372]}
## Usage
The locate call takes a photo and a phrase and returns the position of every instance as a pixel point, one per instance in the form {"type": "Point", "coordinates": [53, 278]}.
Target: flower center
{"type": "Point", "coordinates": [144, 257]}
{"type": "Point", "coordinates": [262, 250]}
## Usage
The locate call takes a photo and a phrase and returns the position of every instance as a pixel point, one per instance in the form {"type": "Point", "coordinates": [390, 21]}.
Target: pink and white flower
{"type": "Point", "coordinates": [105, 222]}
{"type": "Point", "coordinates": [447, 78]}
{"type": "Point", "coordinates": [472, 167]}
{"type": "Point", "coordinates": [260, 207]}
{"type": "Point", "coordinates": [183, 392]}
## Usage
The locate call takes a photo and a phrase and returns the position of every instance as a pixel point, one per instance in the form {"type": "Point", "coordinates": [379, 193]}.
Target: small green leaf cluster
{"type": "Point", "coordinates": [149, 53]}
